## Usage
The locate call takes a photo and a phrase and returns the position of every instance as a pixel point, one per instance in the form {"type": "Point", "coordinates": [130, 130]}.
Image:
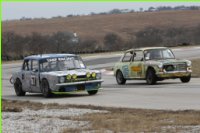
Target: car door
{"type": "Point", "coordinates": [34, 77]}
{"type": "Point", "coordinates": [136, 66]}
{"type": "Point", "coordinates": [26, 75]}
{"type": "Point", "coordinates": [126, 60]}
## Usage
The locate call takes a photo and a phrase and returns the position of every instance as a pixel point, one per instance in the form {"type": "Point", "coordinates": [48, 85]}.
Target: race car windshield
{"type": "Point", "coordinates": [158, 54]}
{"type": "Point", "coordinates": [61, 64]}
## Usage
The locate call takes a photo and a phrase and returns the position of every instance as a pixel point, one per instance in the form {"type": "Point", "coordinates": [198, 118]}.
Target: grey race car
{"type": "Point", "coordinates": [55, 73]}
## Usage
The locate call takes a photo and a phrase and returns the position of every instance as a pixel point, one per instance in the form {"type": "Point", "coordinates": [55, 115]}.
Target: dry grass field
{"type": "Point", "coordinates": [97, 26]}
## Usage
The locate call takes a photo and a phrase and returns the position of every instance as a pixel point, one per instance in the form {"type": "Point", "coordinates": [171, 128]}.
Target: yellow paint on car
{"type": "Point", "coordinates": [136, 68]}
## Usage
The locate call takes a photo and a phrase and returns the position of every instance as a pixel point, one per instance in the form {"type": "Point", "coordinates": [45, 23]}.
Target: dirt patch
{"type": "Point", "coordinates": [18, 106]}
{"type": "Point", "coordinates": [140, 120]}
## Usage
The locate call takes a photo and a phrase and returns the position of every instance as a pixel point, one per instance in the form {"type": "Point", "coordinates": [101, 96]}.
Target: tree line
{"type": "Point", "coordinates": [15, 46]}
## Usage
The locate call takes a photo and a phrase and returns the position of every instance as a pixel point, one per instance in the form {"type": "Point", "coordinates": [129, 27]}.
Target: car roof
{"type": "Point", "coordinates": [46, 56]}
{"type": "Point", "coordinates": [146, 48]}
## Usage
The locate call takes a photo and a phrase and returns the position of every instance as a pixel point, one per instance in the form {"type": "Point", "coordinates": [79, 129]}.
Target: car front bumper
{"type": "Point", "coordinates": [79, 86]}
{"type": "Point", "coordinates": [173, 74]}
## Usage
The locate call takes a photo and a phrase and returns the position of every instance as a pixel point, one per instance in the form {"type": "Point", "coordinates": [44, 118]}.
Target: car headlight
{"type": "Point", "coordinates": [88, 75]}
{"type": "Point", "coordinates": [69, 77]}
{"type": "Point", "coordinates": [189, 63]}
{"type": "Point", "coordinates": [93, 75]}
{"type": "Point", "coordinates": [98, 76]}
{"type": "Point", "coordinates": [74, 76]}
{"type": "Point", "coordinates": [160, 65]}
{"type": "Point", "coordinates": [61, 79]}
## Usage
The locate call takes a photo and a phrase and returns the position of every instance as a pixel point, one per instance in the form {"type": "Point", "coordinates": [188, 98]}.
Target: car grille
{"type": "Point", "coordinates": [175, 67]}
{"type": "Point", "coordinates": [81, 76]}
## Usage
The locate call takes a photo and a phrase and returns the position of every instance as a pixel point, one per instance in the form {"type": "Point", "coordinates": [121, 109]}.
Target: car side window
{"type": "Point", "coordinates": [26, 65]}
{"type": "Point", "coordinates": [34, 66]}
{"type": "Point", "coordinates": [167, 54]}
{"type": "Point", "coordinates": [127, 57]}
{"type": "Point", "coordinates": [138, 56]}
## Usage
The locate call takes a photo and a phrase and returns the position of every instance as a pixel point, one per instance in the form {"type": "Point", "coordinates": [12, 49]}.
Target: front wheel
{"type": "Point", "coordinates": [93, 92]}
{"type": "Point", "coordinates": [18, 88]}
{"type": "Point", "coordinates": [151, 77]}
{"type": "Point", "coordinates": [185, 79]}
{"type": "Point", "coordinates": [45, 88]}
{"type": "Point", "coordinates": [120, 78]}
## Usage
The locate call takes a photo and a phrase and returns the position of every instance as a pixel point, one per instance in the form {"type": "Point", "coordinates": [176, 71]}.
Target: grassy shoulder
{"type": "Point", "coordinates": [120, 119]}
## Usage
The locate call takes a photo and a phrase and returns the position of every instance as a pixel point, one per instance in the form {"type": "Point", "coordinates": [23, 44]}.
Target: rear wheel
{"type": "Point", "coordinates": [45, 88]}
{"type": "Point", "coordinates": [151, 77]}
{"type": "Point", "coordinates": [18, 88]}
{"type": "Point", "coordinates": [185, 79]}
{"type": "Point", "coordinates": [120, 78]}
{"type": "Point", "coordinates": [93, 92]}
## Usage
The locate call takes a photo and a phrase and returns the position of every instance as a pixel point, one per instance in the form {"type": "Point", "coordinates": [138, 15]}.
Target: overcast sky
{"type": "Point", "coordinates": [17, 10]}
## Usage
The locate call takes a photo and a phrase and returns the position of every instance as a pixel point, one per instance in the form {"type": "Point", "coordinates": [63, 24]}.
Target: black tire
{"type": "Point", "coordinates": [120, 78]}
{"type": "Point", "coordinates": [45, 88]}
{"type": "Point", "coordinates": [93, 92]}
{"type": "Point", "coordinates": [151, 77]}
{"type": "Point", "coordinates": [185, 79]}
{"type": "Point", "coordinates": [18, 88]}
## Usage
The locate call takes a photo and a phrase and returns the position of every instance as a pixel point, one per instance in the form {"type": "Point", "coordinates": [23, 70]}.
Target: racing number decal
{"type": "Point", "coordinates": [33, 80]}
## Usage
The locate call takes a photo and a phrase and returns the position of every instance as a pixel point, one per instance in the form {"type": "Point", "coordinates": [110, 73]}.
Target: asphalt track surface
{"type": "Point", "coordinates": [168, 94]}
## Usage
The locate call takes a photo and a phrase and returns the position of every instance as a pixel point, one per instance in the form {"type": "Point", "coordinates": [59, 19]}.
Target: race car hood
{"type": "Point", "coordinates": [71, 72]}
